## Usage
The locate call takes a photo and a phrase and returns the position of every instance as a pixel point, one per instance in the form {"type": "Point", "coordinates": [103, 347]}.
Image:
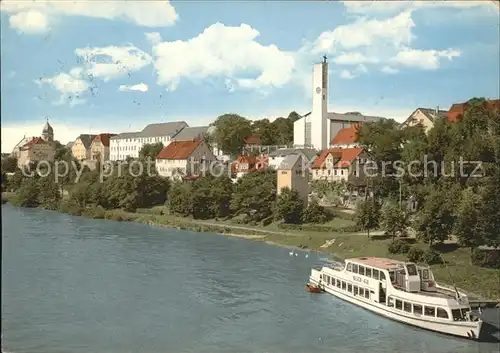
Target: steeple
{"type": "Point", "coordinates": [48, 132]}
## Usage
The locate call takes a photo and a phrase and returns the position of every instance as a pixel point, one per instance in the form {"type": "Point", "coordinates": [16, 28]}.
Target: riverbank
{"type": "Point", "coordinates": [473, 279]}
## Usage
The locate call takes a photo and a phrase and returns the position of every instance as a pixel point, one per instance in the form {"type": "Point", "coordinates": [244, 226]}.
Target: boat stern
{"type": "Point", "coordinates": [315, 276]}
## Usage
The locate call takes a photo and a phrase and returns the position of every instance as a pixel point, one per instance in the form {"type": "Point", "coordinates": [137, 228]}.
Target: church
{"type": "Point", "coordinates": [317, 128]}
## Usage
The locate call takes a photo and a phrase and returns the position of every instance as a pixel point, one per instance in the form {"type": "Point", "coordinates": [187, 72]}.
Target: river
{"type": "Point", "coordinates": [71, 284]}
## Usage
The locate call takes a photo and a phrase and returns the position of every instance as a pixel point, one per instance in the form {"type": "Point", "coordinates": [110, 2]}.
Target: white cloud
{"type": "Point", "coordinates": [70, 86]}
{"type": "Point", "coordinates": [25, 14]}
{"type": "Point", "coordinates": [141, 87]}
{"type": "Point", "coordinates": [112, 62]}
{"type": "Point", "coordinates": [350, 74]}
{"type": "Point", "coordinates": [391, 7]}
{"type": "Point", "coordinates": [389, 70]}
{"type": "Point", "coordinates": [222, 51]}
{"type": "Point", "coordinates": [423, 59]}
{"type": "Point", "coordinates": [354, 58]}
{"type": "Point", "coordinates": [30, 22]}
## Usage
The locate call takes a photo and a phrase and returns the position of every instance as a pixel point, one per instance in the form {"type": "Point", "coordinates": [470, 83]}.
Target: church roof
{"type": "Point", "coordinates": [353, 117]}
{"type": "Point", "coordinates": [47, 128]}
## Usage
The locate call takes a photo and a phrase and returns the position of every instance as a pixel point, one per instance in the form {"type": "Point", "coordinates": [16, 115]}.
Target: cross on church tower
{"type": "Point", "coordinates": [324, 58]}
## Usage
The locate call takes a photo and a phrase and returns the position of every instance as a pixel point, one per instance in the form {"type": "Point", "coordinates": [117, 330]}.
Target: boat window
{"type": "Point", "coordinates": [407, 307]}
{"type": "Point", "coordinates": [417, 309]}
{"type": "Point", "coordinates": [425, 274]}
{"type": "Point", "coordinates": [338, 283]}
{"type": "Point", "coordinates": [412, 270]}
{"type": "Point", "coordinates": [464, 312]}
{"type": "Point", "coordinates": [349, 267]}
{"type": "Point", "coordinates": [368, 272]}
{"type": "Point", "coordinates": [361, 291]}
{"type": "Point", "coordinates": [367, 294]}
{"type": "Point", "coordinates": [343, 285]}
{"type": "Point", "coordinates": [355, 290]}
{"type": "Point", "coordinates": [429, 311]}
{"type": "Point", "coordinates": [375, 274]}
{"type": "Point", "coordinates": [391, 275]}
{"type": "Point", "coordinates": [349, 288]}
{"type": "Point", "coordinates": [361, 270]}
{"type": "Point", "coordinates": [458, 315]}
{"type": "Point", "coordinates": [442, 313]}
{"type": "Point", "coordinates": [382, 276]}
{"type": "Point", "coordinates": [399, 304]}
{"type": "Point", "coordinates": [355, 268]}
{"type": "Point", "coordinates": [390, 302]}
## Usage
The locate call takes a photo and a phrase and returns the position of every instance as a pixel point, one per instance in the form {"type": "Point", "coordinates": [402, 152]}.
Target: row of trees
{"type": "Point", "coordinates": [455, 197]}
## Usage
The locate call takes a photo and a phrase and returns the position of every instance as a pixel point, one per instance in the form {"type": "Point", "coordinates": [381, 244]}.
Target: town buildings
{"type": "Point", "coordinates": [38, 148]}
{"type": "Point", "coordinates": [128, 144]}
{"type": "Point", "coordinates": [341, 165]}
{"type": "Point", "coordinates": [81, 147]}
{"type": "Point", "coordinates": [99, 148]}
{"type": "Point", "coordinates": [346, 137]}
{"type": "Point", "coordinates": [425, 117]}
{"type": "Point", "coordinates": [276, 157]}
{"type": "Point", "coordinates": [184, 158]}
{"type": "Point", "coordinates": [293, 174]}
{"type": "Point", "coordinates": [245, 164]}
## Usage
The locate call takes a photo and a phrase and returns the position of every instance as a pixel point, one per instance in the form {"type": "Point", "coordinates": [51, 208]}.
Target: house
{"type": "Point", "coordinates": [81, 147]}
{"type": "Point", "coordinates": [293, 173]}
{"type": "Point", "coordinates": [70, 144]}
{"type": "Point", "coordinates": [184, 158]}
{"type": "Point", "coordinates": [424, 116]}
{"type": "Point", "coordinates": [459, 109]}
{"type": "Point", "coordinates": [346, 137]}
{"type": "Point", "coordinates": [99, 148]}
{"type": "Point", "coordinates": [341, 164]}
{"type": "Point", "coordinates": [36, 150]}
{"type": "Point", "coordinates": [191, 133]}
{"type": "Point", "coordinates": [276, 157]}
{"type": "Point", "coordinates": [21, 143]}
{"type": "Point", "coordinates": [129, 144]}
{"type": "Point", "coordinates": [245, 164]}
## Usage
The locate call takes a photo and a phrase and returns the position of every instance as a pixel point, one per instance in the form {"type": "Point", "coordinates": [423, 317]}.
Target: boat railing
{"type": "Point", "coordinates": [445, 287]}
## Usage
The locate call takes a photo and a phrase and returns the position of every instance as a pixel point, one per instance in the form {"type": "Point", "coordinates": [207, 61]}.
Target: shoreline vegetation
{"type": "Point", "coordinates": [478, 282]}
{"type": "Point", "coordinates": [453, 224]}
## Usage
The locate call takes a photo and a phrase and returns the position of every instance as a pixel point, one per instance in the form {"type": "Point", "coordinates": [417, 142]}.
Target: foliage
{"type": "Point", "coordinates": [432, 257]}
{"type": "Point", "coordinates": [230, 133]}
{"type": "Point", "coordinates": [367, 215]}
{"type": "Point", "coordinates": [179, 199]}
{"type": "Point", "coordinates": [150, 150]}
{"type": "Point", "coordinates": [314, 213]}
{"type": "Point", "coordinates": [467, 227]}
{"type": "Point", "coordinates": [486, 258]}
{"type": "Point", "coordinates": [415, 254]}
{"type": "Point", "coordinates": [289, 206]}
{"type": "Point", "coordinates": [393, 219]}
{"type": "Point", "coordinates": [211, 197]}
{"type": "Point", "coordinates": [9, 165]}
{"type": "Point", "coordinates": [398, 246]}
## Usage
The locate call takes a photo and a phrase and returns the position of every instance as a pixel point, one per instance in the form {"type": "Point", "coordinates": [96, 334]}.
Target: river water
{"type": "Point", "coordinates": [71, 284]}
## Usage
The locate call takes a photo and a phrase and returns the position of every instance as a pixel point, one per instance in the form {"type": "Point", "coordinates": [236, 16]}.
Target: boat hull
{"type": "Point", "coordinates": [469, 330]}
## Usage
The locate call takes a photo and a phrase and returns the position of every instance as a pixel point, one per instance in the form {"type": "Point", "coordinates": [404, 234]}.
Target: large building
{"type": "Point", "coordinates": [38, 148]}
{"type": "Point", "coordinates": [317, 128]}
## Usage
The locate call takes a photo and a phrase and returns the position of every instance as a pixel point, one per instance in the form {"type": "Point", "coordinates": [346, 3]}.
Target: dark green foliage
{"type": "Point", "coordinates": [231, 131]}
{"type": "Point", "coordinates": [9, 165]}
{"type": "Point", "coordinates": [314, 213]}
{"type": "Point", "coordinates": [367, 215]}
{"type": "Point", "coordinates": [415, 254]}
{"type": "Point", "coordinates": [289, 206]}
{"type": "Point", "coordinates": [486, 258]}
{"type": "Point", "coordinates": [179, 200]}
{"type": "Point", "coordinates": [150, 151]}
{"type": "Point", "coordinates": [211, 197]}
{"type": "Point", "coordinates": [398, 247]}
{"type": "Point", "coordinates": [432, 257]}
{"type": "Point", "coordinates": [393, 219]}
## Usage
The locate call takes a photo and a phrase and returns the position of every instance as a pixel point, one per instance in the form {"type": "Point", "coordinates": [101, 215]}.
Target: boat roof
{"type": "Point", "coordinates": [377, 262]}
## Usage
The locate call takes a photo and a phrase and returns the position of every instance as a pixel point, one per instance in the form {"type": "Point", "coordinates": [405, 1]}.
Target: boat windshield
{"type": "Point", "coordinates": [412, 270]}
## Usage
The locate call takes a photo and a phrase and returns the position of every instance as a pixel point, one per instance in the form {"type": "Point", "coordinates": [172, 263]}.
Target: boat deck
{"type": "Point", "coordinates": [440, 293]}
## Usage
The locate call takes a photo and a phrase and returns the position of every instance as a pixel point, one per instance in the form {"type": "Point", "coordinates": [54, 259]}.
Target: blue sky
{"type": "Point", "coordinates": [114, 67]}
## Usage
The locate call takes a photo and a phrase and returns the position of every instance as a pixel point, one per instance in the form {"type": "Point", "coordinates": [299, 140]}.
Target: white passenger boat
{"type": "Point", "coordinates": [400, 291]}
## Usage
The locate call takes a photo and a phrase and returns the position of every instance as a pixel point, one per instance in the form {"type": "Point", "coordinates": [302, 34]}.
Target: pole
{"type": "Point", "coordinates": [400, 194]}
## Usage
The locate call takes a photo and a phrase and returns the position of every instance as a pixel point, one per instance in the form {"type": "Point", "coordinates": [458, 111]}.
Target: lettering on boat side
{"type": "Point", "coordinates": [359, 279]}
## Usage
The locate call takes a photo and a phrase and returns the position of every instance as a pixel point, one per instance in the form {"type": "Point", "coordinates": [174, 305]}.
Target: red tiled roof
{"type": "Point", "coordinates": [458, 109]}
{"type": "Point", "coordinates": [104, 138]}
{"type": "Point", "coordinates": [253, 162]}
{"type": "Point", "coordinates": [179, 149]}
{"type": "Point", "coordinates": [346, 136]}
{"type": "Point", "coordinates": [34, 141]}
{"type": "Point", "coordinates": [252, 140]}
{"type": "Point", "coordinates": [343, 157]}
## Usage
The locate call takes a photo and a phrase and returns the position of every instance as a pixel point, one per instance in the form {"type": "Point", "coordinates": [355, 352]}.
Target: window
{"type": "Point", "coordinates": [407, 307]}
{"type": "Point", "coordinates": [390, 302]}
{"type": "Point", "coordinates": [367, 294]}
{"type": "Point", "coordinates": [338, 283]}
{"type": "Point", "coordinates": [355, 290]}
{"type": "Point", "coordinates": [412, 270]}
{"type": "Point", "coordinates": [429, 311]}
{"type": "Point", "coordinates": [458, 315]}
{"type": "Point", "coordinates": [417, 309]}
{"type": "Point", "coordinates": [442, 313]}
{"type": "Point", "coordinates": [349, 288]}
{"type": "Point", "coordinates": [361, 291]}
{"type": "Point", "coordinates": [399, 304]}
{"type": "Point", "coordinates": [355, 268]}
{"type": "Point", "coordinates": [382, 276]}
{"type": "Point", "coordinates": [375, 274]}
{"type": "Point", "coordinates": [425, 274]}
{"type": "Point", "coordinates": [361, 270]}
{"type": "Point", "coordinates": [343, 285]}
{"type": "Point", "coordinates": [349, 267]}
{"type": "Point", "coordinates": [283, 172]}
{"type": "Point", "coordinates": [368, 272]}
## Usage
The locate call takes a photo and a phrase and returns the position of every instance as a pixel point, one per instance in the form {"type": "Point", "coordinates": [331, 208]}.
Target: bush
{"type": "Point", "coordinates": [70, 207]}
{"type": "Point", "coordinates": [432, 257]}
{"type": "Point", "coordinates": [320, 228]}
{"type": "Point", "coordinates": [99, 212]}
{"type": "Point", "coordinates": [415, 254]}
{"type": "Point", "coordinates": [486, 258]}
{"type": "Point", "coordinates": [398, 247]}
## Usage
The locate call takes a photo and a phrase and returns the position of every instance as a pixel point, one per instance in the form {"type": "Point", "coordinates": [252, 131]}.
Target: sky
{"type": "Point", "coordinates": [97, 66]}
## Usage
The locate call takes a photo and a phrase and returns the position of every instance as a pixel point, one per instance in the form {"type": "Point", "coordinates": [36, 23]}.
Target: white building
{"type": "Point", "coordinates": [317, 128]}
{"type": "Point", "coordinates": [128, 144]}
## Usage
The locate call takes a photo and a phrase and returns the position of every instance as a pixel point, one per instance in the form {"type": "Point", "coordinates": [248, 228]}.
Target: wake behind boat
{"type": "Point", "coordinates": [401, 291]}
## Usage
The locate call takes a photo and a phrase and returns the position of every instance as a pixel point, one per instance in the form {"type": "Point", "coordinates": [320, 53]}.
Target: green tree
{"type": "Point", "coordinates": [367, 215]}
{"type": "Point", "coordinates": [254, 195]}
{"type": "Point", "coordinates": [289, 206]}
{"type": "Point", "coordinates": [489, 215]}
{"type": "Point", "coordinates": [180, 201]}
{"type": "Point", "coordinates": [314, 213]}
{"type": "Point", "coordinates": [9, 165]}
{"type": "Point", "coordinates": [212, 197]}
{"type": "Point", "coordinates": [150, 150]}
{"type": "Point", "coordinates": [467, 227]}
{"type": "Point", "coordinates": [27, 195]}
{"type": "Point", "coordinates": [230, 133]}
{"type": "Point", "coordinates": [265, 130]}
{"type": "Point", "coordinates": [283, 129]}
{"type": "Point", "coordinates": [393, 219]}
{"type": "Point", "coordinates": [49, 194]}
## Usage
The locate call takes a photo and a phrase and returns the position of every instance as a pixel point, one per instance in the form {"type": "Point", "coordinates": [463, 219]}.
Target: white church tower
{"type": "Point", "coordinates": [319, 113]}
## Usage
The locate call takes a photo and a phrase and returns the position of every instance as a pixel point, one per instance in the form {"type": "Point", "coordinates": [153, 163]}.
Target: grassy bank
{"type": "Point", "coordinates": [341, 244]}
